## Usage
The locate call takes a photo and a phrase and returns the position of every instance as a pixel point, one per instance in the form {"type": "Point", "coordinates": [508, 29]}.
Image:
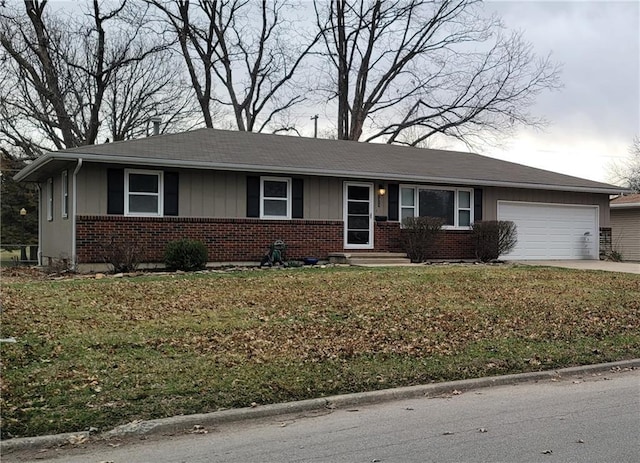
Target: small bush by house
{"type": "Point", "coordinates": [186, 255]}
{"type": "Point", "coordinates": [419, 234]}
{"type": "Point", "coordinates": [122, 255]}
{"type": "Point", "coordinates": [493, 238]}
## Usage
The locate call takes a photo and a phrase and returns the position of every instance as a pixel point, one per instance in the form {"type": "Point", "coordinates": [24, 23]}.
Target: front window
{"type": "Point", "coordinates": [275, 198]}
{"type": "Point", "coordinates": [453, 205]}
{"type": "Point", "coordinates": [143, 192]}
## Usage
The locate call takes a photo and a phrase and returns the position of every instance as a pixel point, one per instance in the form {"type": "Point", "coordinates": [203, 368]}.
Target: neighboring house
{"type": "Point", "coordinates": [237, 192]}
{"type": "Point", "coordinates": [625, 226]}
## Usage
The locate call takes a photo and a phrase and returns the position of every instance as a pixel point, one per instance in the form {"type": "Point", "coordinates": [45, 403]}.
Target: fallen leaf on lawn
{"type": "Point", "coordinates": [199, 429]}
{"type": "Point", "coordinates": [77, 440]}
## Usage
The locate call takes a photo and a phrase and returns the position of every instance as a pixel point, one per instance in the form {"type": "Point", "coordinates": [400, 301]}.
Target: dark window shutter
{"type": "Point", "coordinates": [253, 196]}
{"type": "Point", "coordinates": [170, 193]}
{"type": "Point", "coordinates": [297, 203]}
{"type": "Point", "coordinates": [477, 205]}
{"type": "Point", "coordinates": [393, 190]}
{"type": "Point", "coordinates": [115, 191]}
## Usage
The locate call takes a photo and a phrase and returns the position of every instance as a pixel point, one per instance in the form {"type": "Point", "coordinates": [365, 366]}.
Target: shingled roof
{"type": "Point", "coordinates": [255, 152]}
{"type": "Point", "coordinates": [632, 200]}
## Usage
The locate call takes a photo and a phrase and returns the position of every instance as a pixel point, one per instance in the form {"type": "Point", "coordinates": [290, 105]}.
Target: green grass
{"type": "Point", "coordinates": [105, 352]}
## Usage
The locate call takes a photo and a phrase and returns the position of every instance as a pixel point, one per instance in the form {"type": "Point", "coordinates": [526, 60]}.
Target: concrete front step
{"type": "Point", "coordinates": [369, 258]}
{"type": "Point", "coordinates": [378, 261]}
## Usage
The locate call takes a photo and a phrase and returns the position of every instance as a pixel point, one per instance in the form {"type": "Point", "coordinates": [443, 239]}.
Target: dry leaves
{"type": "Point", "coordinates": [102, 345]}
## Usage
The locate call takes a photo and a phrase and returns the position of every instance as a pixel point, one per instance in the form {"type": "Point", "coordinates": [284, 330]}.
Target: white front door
{"type": "Point", "coordinates": [358, 215]}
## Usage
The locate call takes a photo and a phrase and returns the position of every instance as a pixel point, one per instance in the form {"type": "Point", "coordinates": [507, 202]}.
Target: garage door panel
{"type": "Point", "coordinates": [550, 231]}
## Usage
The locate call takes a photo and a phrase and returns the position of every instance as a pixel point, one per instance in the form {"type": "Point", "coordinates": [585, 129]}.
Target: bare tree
{"type": "Point", "coordinates": [60, 66]}
{"type": "Point", "coordinates": [241, 55]}
{"type": "Point", "coordinates": [146, 90]}
{"type": "Point", "coordinates": [436, 65]}
{"type": "Point", "coordinates": [627, 172]}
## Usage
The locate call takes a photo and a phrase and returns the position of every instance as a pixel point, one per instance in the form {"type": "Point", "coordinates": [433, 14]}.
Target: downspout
{"type": "Point", "coordinates": [74, 210]}
{"type": "Point", "coordinates": [39, 223]}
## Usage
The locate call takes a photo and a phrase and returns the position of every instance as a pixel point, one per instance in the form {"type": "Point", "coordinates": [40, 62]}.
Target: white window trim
{"type": "Point", "coordinates": [159, 194]}
{"type": "Point", "coordinates": [456, 205]}
{"type": "Point", "coordinates": [64, 206]}
{"type": "Point", "coordinates": [263, 198]}
{"type": "Point", "coordinates": [50, 199]}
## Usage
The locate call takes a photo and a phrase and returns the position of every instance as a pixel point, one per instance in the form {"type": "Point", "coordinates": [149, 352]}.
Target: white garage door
{"type": "Point", "coordinates": [549, 231]}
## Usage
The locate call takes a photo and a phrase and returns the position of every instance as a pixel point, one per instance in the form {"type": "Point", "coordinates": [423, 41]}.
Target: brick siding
{"type": "Point", "coordinates": [242, 240]}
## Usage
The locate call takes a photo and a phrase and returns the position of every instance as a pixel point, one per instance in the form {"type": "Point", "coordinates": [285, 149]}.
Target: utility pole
{"type": "Point", "coordinates": [315, 125]}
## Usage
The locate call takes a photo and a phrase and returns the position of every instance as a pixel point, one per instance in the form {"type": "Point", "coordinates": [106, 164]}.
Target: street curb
{"type": "Point", "coordinates": [188, 422]}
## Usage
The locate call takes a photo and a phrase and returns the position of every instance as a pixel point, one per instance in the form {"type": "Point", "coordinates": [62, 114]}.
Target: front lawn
{"type": "Point", "coordinates": [105, 352]}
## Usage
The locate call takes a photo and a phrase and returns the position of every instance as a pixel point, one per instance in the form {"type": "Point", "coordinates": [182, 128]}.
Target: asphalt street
{"type": "Point", "coordinates": [590, 418]}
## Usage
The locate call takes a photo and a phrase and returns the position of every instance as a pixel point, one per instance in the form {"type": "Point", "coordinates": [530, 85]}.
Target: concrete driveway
{"type": "Point", "coordinates": [624, 267]}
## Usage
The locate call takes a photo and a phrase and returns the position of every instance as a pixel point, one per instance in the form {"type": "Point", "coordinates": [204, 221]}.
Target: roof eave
{"type": "Point", "coordinates": [111, 159]}
{"type": "Point", "coordinates": [624, 205]}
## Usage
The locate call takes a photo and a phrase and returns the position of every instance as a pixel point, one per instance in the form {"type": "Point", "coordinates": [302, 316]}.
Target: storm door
{"type": "Point", "coordinates": [358, 216]}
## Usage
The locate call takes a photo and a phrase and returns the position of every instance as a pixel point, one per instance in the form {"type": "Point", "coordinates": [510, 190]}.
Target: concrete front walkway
{"type": "Point", "coordinates": [624, 267]}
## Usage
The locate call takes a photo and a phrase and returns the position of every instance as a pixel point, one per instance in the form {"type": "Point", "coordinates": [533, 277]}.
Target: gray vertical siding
{"type": "Point", "coordinates": [56, 234]}
{"type": "Point", "coordinates": [625, 232]}
{"type": "Point", "coordinates": [492, 195]}
{"type": "Point", "coordinates": [213, 194]}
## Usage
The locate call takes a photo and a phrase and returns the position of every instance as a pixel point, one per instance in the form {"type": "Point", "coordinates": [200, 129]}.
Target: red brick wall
{"type": "Point", "coordinates": [454, 244]}
{"type": "Point", "coordinates": [230, 240]}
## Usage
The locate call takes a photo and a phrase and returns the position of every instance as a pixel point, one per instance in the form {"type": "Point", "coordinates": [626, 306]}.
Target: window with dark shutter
{"type": "Point", "coordinates": [253, 196]}
{"type": "Point", "coordinates": [115, 191]}
{"type": "Point", "coordinates": [477, 204]}
{"type": "Point", "coordinates": [171, 193]}
{"type": "Point", "coordinates": [393, 192]}
{"type": "Point", "coordinates": [297, 205]}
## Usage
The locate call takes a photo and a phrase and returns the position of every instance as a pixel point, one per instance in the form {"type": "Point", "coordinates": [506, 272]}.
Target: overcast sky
{"type": "Point", "coordinates": [594, 117]}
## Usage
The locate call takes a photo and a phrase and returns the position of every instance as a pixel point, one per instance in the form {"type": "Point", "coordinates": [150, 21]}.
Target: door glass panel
{"type": "Point", "coordinates": [358, 237]}
{"type": "Point", "coordinates": [358, 208]}
{"type": "Point", "coordinates": [360, 193]}
{"type": "Point", "coordinates": [358, 222]}
{"type": "Point", "coordinates": [358, 215]}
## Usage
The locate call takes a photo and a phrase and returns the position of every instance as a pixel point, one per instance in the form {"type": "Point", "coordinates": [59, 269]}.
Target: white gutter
{"type": "Point", "coordinates": [383, 176]}
{"type": "Point", "coordinates": [624, 205]}
{"type": "Point", "coordinates": [74, 207]}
